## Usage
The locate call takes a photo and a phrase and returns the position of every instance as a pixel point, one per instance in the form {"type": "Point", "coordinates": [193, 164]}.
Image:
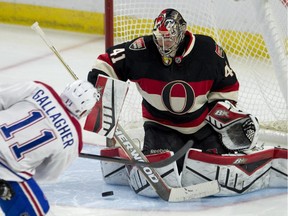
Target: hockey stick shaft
{"type": "Point", "coordinates": [157, 164]}
{"type": "Point", "coordinates": [134, 153]}
{"type": "Point", "coordinates": [40, 32]}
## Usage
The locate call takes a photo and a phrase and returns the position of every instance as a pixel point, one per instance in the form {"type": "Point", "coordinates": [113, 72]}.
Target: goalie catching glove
{"type": "Point", "coordinates": [239, 130]}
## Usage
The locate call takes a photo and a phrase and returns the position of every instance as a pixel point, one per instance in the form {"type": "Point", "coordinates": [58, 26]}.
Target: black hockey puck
{"type": "Point", "coordinates": [107, 193]}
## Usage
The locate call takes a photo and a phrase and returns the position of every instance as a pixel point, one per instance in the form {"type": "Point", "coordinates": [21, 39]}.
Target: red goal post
{"type": "Point", "coordinates": [253, 34]}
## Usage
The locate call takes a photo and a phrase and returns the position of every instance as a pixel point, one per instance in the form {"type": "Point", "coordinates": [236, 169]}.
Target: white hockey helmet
{"type": "Point", "coordinates": [79, 97]}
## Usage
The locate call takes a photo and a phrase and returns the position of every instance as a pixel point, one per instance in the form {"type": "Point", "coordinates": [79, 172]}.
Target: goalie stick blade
{"type": "Point", "coordinates": [181, 152]}
{"type": "Point", "coordinates": [194, 191]}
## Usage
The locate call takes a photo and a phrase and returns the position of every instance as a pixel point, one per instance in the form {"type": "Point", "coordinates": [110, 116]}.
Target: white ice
{"type": "Point", "coordinates": [24, 56]}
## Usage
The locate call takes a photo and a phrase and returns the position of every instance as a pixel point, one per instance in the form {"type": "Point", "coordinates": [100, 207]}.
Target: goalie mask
{"type": "Point", "coordinates": [80, 97]}
{"type": "Point", "coordinates": [168, 33]}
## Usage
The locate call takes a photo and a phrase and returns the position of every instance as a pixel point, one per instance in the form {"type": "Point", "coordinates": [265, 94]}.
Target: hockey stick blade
{"type": "Point", "coordinates": [194, 191]}
{"type": "Point", "coordinates": [181, 152]}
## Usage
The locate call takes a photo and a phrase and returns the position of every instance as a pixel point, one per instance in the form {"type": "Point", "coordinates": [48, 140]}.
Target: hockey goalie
{"type": "Point", "coordinates": [247, 167]}
{"type": "Point", "coordinates": [189, 91]}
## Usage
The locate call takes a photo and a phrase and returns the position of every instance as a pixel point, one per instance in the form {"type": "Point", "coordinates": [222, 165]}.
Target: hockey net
{"type": "Point", "coordinates": [253, 34]}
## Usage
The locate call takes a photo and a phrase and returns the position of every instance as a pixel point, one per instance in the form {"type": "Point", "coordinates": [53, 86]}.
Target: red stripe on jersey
{"type": "Point", "coordinates": [31, 197]}
{"type": "Point", "coordinates": [26, 173]}
{"type": "Point", "coordinates": [105, 57]}
{"type": "Point", "coordinates": [196, 122]}
{"type": "Point", "coordinates": [156, 87]}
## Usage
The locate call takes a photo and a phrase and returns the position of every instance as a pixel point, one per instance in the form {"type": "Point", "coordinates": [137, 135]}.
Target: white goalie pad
{"type": "Point", "coordinates": [237, 174]}
{"type": "Point", "coordinates": [114, 173]}
{"type": "Point", "coordinates": [169, 174]}
{"type": "Point", "coordinates": [105, 114]}
{"type": "Point", "coordinates": [239, 130]}
{"type": "Point", "coordinates": [278, 173]}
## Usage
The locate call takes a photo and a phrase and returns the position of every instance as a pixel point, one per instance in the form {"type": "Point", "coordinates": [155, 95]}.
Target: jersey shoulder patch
{"type": "Point", "coordinates": [138, 44]}
{"type": "Point", "coordinates": [219, 51]}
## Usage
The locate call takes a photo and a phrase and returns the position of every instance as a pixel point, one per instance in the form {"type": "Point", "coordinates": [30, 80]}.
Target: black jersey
{"type": "Point", "coordinates": [178, 95]}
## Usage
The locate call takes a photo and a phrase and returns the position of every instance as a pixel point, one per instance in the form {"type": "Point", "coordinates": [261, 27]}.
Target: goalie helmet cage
{"type": "Point", "coordinates": [252, 33]}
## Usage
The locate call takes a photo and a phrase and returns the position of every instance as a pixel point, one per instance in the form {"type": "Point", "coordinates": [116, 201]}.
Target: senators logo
{"type": "Point", "coordinates": [138, 44]}
{"type": "Point", "coordinates": [219, 51]}
{"type": "Point", "coordinates": [185, 102]}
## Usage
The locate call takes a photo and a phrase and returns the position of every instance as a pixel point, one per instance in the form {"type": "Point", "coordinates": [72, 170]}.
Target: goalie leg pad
{"type": "Point", "coordinates": [169, 174]}
{"type": "Point", "coordinates": [114, 173]}
{"type": "Point", "coordinates": [278, 173]}
{"type": "Point", "coordinates": [236, 174]}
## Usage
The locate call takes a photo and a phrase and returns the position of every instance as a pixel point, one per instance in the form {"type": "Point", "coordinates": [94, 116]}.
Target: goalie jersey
{"type": "Point", "coordinates": [38, 136]}
{"type": "Point", "coordinates": [180, 95]}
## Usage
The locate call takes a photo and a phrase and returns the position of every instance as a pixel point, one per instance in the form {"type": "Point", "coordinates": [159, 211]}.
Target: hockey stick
{"type": "Point", "coordinates": [157, 164]}
{"type": "Point", "coordinates": [157, 183]}
{"type": "Point", "coordinates": [164, 191]}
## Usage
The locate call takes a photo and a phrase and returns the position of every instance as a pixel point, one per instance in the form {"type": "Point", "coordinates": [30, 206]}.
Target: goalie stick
{"type": "Point", "coordinates": [157, 164]}
{"type": "Point", "coordinates": [134, 153]}
{"type": "Point", "coordinates": [164, 191]}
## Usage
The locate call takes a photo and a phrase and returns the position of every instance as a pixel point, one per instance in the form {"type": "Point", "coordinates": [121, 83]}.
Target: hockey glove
{"type": "Point", "coordinates": [6, 192]}
{"type": "Point", "coordinates": [239, 130]}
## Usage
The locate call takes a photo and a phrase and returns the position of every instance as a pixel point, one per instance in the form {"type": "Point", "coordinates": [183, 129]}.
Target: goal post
{"type": "Point", "coordinates": [252, 33]}
{"type": "Point", "coordinates": [109, 37]}
{"type": "Point", "coordinates": [272, 37]}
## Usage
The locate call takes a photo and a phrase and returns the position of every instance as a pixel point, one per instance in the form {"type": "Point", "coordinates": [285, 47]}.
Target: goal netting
{"type": "Point", "coordinates": [252, 32]}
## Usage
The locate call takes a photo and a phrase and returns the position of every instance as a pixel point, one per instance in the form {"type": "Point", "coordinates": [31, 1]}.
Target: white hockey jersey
{"type": "Point", "coordinates": [38, 136]}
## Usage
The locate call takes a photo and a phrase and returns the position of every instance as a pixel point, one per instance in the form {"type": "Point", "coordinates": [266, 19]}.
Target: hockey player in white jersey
{"type": "Point", "coordinates": [39, 138]}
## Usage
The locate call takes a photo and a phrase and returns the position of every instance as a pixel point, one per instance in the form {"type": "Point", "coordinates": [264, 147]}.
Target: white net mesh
{"type": "Point", "coordinates": [239, 28]}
